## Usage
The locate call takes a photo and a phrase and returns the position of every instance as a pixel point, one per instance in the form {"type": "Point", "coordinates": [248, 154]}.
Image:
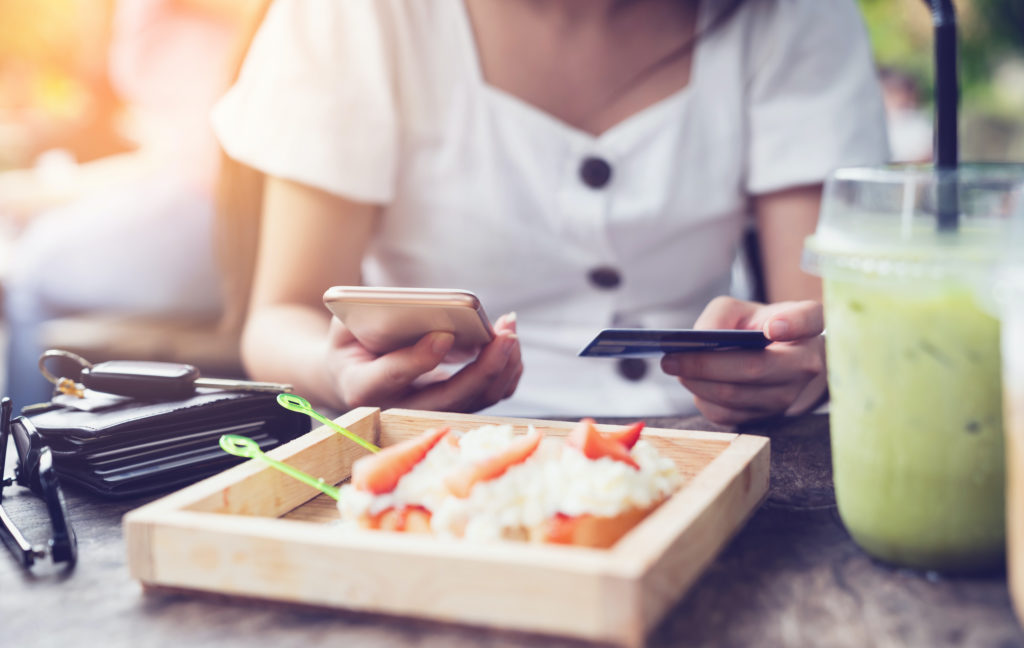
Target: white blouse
{"type": "Point", "coordinates": [383, 101]}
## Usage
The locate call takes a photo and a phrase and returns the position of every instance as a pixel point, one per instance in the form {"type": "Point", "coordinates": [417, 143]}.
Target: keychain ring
{"type": "Point", "coordinates": [59, 353]}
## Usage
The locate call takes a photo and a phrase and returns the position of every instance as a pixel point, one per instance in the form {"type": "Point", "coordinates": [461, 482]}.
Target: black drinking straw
{"type": "Point", "coordinates": [946, 100]}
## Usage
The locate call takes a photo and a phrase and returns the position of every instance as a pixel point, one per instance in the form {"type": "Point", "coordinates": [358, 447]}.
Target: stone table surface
{"type": "Point", "coordinates": [791, 577]}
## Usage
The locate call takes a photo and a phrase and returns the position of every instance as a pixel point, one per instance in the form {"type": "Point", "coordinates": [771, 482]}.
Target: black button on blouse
{"type": "Point", "coordinates": [605, 277]}
{"type": "Point", "coordinates": [595, 172]}
{"type": "Point", "coordinates": [632, 368]}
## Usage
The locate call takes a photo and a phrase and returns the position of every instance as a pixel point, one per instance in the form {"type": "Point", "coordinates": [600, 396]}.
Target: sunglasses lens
{"type": "Point", "coordinates": [30, 449]}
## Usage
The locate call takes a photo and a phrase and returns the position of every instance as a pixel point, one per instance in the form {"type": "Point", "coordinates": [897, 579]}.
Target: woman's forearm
{"type": "Point", "coordinates": [309, 241]}
{"type": "Point", "coordinates": [784, 219]}
{"type": "Point", "coordinates": [288, 343]}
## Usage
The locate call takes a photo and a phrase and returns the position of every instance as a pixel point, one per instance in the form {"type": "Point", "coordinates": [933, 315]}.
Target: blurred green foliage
{"type": "Point", "coordinates": [991, 32]}
{"type": "Point", "coordinates": [991, 66]}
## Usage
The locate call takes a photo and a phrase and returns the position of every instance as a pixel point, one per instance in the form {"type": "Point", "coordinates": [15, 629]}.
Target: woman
{"type": "Point", "coordinates": [582, 163]}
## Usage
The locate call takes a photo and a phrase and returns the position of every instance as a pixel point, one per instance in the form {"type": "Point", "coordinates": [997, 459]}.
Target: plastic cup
{"type": "Point", "coordinates": [913, 350]}
{"type": "Point", "coordinates": [1012, 302]}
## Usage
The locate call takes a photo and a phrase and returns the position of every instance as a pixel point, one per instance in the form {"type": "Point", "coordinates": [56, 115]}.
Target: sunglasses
{"type": "Point", "coordinates": [33, 470]}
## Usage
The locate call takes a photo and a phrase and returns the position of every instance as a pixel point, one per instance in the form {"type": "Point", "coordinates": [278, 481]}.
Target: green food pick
{"type": "Point", "coordinates": [241, 446]}
{"type": "Point", "coordinates": [302, 406]}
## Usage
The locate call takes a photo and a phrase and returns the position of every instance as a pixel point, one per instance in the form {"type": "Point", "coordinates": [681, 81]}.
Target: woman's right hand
{"type": "Point", "coordinates": [310, 239]}
{"type": "Point", "coordinates": [410, 377]}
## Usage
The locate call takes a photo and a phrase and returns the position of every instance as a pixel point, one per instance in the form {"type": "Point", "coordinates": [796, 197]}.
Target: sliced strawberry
{"type": "Point", "coordinates": [560, 528]}
{"type": "Point", "coordinates": [627, 436]}
{"type": "Point", "coordinates": [461, 482]}
{"type": "Point", "coordinates": [379, 473]}
{"type": "Point", "coordinates": [410, 519]}
{"type": "Point", "coordinates": [585, 438]}
{"type": "Point", "coordinates": [417, 520]}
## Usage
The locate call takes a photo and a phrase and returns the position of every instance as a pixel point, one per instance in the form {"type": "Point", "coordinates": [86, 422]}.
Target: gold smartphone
{"type": "Point", "coordinates": [385, 319]}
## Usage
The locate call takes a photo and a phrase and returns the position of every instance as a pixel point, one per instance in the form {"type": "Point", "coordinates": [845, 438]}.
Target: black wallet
{"type": "Point", "coordinates": [117, 446]}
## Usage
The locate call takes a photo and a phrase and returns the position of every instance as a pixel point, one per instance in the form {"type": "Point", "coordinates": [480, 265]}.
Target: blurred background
{"type": "Point", "coordinates": [109, 181]}
{"type": "Point", "coordinates": [105, 97]}
{"type": "Point", "coordinates": [991, 72]}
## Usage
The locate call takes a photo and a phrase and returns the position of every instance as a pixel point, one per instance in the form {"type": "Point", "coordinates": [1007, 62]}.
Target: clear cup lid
{"type": "Point", "coordinates": [916, 220]}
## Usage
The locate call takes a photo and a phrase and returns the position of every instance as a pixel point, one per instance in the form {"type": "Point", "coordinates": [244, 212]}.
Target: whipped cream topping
{"type": "Point", "coordinates": [554, 479]}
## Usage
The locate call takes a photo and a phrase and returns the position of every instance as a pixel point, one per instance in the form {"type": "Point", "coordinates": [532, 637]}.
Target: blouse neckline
{"type": "Point", "coordinates": [530, 110]}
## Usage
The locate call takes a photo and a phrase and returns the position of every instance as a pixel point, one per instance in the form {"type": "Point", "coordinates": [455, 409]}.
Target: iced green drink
{"type": "Point", "coordinates": [1012, 312]}
{"type": "Point", "coordinates": [916, 418]}
{"type": "Point", "coordinates": [908, 258]}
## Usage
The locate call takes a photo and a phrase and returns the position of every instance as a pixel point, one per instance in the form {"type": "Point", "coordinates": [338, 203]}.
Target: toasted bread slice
{"type": "Point", "coordinates": [590, 530]}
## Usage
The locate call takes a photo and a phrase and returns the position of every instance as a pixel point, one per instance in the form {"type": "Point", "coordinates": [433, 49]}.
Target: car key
{"type": "Point", "coordinates": [161, 380]}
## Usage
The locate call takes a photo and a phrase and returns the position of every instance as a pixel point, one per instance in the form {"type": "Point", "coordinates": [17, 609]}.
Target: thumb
{"type": "Point", "coordinates": [727, 313]}
{"type": "Point", "coordinates": [395, 371]}
{"type": "Point", "coordinates": [795, 321]}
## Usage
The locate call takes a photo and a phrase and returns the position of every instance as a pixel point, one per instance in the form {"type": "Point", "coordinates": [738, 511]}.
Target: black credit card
{"type": "Point", "coordinates": [626, 342]}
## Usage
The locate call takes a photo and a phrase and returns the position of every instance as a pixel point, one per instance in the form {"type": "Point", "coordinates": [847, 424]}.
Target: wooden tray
{"type": "Point", "coordinates": [253, 531]}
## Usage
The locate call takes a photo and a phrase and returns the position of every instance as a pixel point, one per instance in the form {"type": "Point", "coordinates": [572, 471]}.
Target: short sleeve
{"type": "Point", "coordinates": [314, 101]}
{"type": "Point", "coordinates": [814, 99]}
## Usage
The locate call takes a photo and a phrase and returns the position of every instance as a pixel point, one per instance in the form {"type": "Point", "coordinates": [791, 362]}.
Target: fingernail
{"type": "Point", "coordinates": [777, 329]}
{"type": "Point", "coordinates": [508, 320]}
{"type": "Point", "coordinates": [508, 344]}
{"type": "Point", "coordinates": [442, 343]}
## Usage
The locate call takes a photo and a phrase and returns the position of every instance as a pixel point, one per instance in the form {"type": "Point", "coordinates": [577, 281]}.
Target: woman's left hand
{"type": "Point", "coordinates": [788, 377]}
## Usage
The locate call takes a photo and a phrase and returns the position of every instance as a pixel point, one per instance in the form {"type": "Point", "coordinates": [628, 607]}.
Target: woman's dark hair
{"type": "Point", "coordinates": [725, 13]}
{"type": "Point", "coordinates": [723, 17]}
{"type": "Point", "coordinates": [728, 10]}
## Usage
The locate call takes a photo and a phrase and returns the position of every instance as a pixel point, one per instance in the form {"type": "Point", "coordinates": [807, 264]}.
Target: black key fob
{"type": "Point", "coordinates": [141, 379]}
